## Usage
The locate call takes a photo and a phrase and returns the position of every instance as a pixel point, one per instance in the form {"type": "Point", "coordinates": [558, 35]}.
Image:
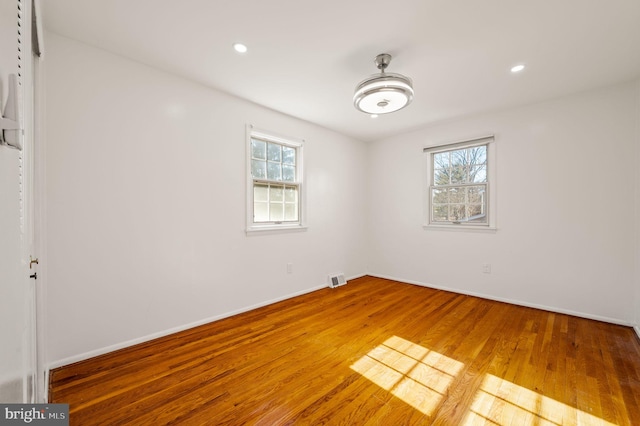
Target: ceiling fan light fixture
{"type": "Point", "coordinates": [384, 92]}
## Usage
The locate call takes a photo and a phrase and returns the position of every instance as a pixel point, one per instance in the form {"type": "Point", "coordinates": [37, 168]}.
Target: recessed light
{"type": "Point", "coordinates": [240, 48]}
{"type": "Point", "coordinates": [517, 68]}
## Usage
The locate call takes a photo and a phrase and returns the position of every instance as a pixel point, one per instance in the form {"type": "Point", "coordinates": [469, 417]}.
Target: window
{"type": "Point", "coordinates": [459, 177]}
{"type": "Point", "coordinates": [274, 193]}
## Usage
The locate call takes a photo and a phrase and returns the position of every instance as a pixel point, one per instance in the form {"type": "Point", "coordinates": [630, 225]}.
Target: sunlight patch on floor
{"type": "Point", "coordinates": [413, 373]}
{"type": "Point", "coordinates": [500, 402]}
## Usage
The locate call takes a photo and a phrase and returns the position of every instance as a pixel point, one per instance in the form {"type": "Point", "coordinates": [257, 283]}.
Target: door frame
{"type": "Point", "coordinates": [38, 194]}
{"type": "Point", "coordinates": [39, 212]}
{"type": "Point", "coordinates": [32, 80]}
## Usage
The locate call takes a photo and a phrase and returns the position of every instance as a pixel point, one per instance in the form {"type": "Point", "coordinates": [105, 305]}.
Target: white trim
{"type": "Point", "coordinates": [460, 228]}
{"type": "Point", "coordinates": [274, 137]}
{"type": "Point", "coordinates": [101, 351]}
{"type": "Point", "coordinates": [459, 144]}
{"type": "Point", "coordinates": [34, 92]}
{"type": "Point", "coordinates": [354, 277]}
{"type": "Point", "coordinates": [42, 382]}
{"type": "Point", "coordinates": [46, 387]}
{"type": "Point", "coordinates": [512, 301]}
{"type": "Point", "coordinates": [274, 229]}
{"type": "Point", "coordinates": [637, 329]}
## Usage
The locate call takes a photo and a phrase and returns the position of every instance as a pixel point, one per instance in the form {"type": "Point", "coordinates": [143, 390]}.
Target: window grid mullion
{"type": "Point", "coordinates": [269, 202]}
{"type": "Point", "coordinates": [276, 182]}
{"type": "Point", "coordinates": [459, 185]}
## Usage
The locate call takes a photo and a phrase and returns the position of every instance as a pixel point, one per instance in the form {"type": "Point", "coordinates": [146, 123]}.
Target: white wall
{"type": "Point", "coordinates": [146, 204]}
{"type": "Point", "coordinates": [566, 207]}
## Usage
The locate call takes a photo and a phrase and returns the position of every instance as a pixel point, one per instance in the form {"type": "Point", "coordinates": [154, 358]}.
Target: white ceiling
{"type": "Point", "coordinates": [306, 57]}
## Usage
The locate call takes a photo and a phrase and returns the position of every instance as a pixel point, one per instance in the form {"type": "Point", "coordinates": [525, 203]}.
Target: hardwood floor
{"type": "Point", "coordinates": [373, 352]}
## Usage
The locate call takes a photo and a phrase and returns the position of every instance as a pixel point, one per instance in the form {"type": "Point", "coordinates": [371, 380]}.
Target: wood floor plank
{"type": "Point", "coordinates": [373, 352]}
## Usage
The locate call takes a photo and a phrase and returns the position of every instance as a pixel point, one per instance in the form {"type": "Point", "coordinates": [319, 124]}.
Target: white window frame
{"type": "Point", "coordinates": [255, 133]}
{"type": "Point", "coordinates": [429, 153]}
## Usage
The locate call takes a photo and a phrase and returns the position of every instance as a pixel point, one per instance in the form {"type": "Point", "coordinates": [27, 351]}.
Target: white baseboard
{"type": "Point", "coordinates": [514, 302]}
{"type": "Point", "coordinates": [355, 277]}
{"type": "Point", "coordinates": [132, 342]}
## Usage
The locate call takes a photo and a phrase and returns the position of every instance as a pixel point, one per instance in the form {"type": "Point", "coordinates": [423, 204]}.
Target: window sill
{"type": "Point", "coordinates": [461, 228]}
{"type": "Point", "coordinates": [275, 229]}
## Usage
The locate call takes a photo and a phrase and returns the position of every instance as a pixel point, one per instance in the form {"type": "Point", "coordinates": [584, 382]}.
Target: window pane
{"type": "Point", "coordinates": [258, 149]}
{"type": "Point", "coordinates": [288, 173]}
{"type": "Point", "coordinates": [478, 174]}
{"type": "Point", "coordinates": [258, 169]}
{"type": "Point", "coordinates": [291, 212]}
{"type": "Point", "coordinates": [291, 194]}
{"type": "Point", "coordinates": [477, 155]}
{"type": "Point", "coordinates": [459, 174]}
{"type": "Point", "coordinates": [439, 196]}
{"type": "Point", "coordinates": [274, 152]}
{"type": "Point", "coordinates": [441, 177]}
{"type": "Point", "coordinates": [260, 192]}
{"type": "Point", "coordinates": [277, 212]}
{"type": "Point", "coordinates": [440, 212]}
{"type": "Point", "coordinates": [441, 160]}
{"type": "Point", "coordinates": [476, 194]}
{"type": "Point", "coordinates": [288, 155]}
{"type": "Point", "coordinates": [457, 212]}
{"type": "Point", "coordinates": [260, 212]}
{"type": "Point", "coordinates": [458, 157]}
{"type": "Point", "coordinates": [274, 171]}
{"type": "Point", "coordinates": [476, 213]}
{"type": "Point", "coordinates": [457, 195]}
{"type": "Point", "coordinates": [276, 194]}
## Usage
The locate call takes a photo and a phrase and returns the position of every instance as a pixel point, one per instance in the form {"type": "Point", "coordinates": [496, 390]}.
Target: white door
{"type": "Point", "coordinates": [18, 286]}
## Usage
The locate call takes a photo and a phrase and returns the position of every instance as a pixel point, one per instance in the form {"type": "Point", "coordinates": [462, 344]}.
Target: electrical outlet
{"type": "Point", "coordinates": [289, 268]}
{"type": "Point", "coordinates": [486, 268]}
